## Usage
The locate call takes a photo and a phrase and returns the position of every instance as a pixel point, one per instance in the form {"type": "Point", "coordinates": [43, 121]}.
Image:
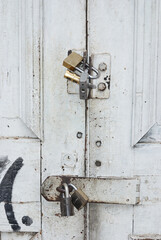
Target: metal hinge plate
{"type": "Point", "coordinates": [98, 190]}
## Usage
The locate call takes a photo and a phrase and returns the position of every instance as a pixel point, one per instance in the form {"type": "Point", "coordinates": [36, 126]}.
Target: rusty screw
{"type": "Point", "coordinates": [102, 66]}
{"type": "Point", "coordinates": [98, 163]}
{"type": "Point", "coordinates": [79, 134]}
{"type": "Point", "coordinates": [101, 86]}
{"type": "Point", "coordinates": [98, 143]}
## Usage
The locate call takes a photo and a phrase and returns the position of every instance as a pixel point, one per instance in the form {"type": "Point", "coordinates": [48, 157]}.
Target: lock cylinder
{"type": "Point", "coordinates": [72, 76]}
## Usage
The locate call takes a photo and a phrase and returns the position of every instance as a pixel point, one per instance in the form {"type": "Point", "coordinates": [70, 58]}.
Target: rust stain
{"type": "Point", "coordinates": [58, 214]}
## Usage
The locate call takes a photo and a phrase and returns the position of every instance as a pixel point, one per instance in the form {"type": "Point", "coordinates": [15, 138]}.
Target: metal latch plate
{"type": "Point", "coordinates": [102, 90]}
{"type": "Point", "coordinates": [98, 190]}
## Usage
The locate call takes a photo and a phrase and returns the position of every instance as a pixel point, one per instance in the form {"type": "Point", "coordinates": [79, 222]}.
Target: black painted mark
{"type": "Point", "coordinates": [11, 217]}
{"type": "Point", "coordinates": [6, 187]}
{"type": "Point", "coordinates": [27, 221]}
{"type": "Point", "coordinates": [3, 162]}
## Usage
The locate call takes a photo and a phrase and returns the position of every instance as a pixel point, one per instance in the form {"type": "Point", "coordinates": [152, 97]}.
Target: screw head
{"type": "Point", "coordinates": [101, 86]}
{"type": "Point", "coordinates": [79, 134]}
{"type": "Point", "coordinates": [98, 143]}
{"type": "Point", "coordinates": [102, 66]}
{"type": "Point", "coordinates": [98, 163]}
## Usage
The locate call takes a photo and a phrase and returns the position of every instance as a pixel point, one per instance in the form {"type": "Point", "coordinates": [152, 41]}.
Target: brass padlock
{"type": "Point", "coordinates": [72, 76]}
{"type": "Point", "coordinates": [79, 198]}
{"type": "Point", "coordinates": [72, 61]}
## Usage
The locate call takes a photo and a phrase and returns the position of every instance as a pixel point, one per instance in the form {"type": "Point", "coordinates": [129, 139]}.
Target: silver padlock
{"type": "Point", "coordinates": [66, 206]}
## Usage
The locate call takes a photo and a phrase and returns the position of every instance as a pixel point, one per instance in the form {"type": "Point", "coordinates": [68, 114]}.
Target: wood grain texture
{"type": "Point", "coordinates": [20, 57]}
{"type": "Point", "coordinates": [145, 237]}
{"type": "Point", "coordinates": [16, 236]}
{"type": "Point", "coordinates": [64, 114]}
{"type": "Point", "coordinates": [110, 120]}
{"type": "Point", "coordinates": [25, 193]}
{"type": "Point", "coordinates": [146, 80]}
{"type": "Point", "coordinates": [31, 209]}
{"type": "Point", "coordinates": [30, 51]}
{"type": "Point", "coordinates": [129, 33]}
{"type": "Point", "coordinates": [20, 236]}
{"type": "Point", "coordinates": [146, 218]}
{"type": "Point", "coordinates": [110, 221]}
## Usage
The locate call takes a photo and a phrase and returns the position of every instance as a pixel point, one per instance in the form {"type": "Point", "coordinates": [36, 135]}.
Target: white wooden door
{"type": "Point", "coordinates": [128, 124]}
{"type": "Point", "coordinates": [20, 119]}
{"type": "Point", "coordinates": [47, 130]}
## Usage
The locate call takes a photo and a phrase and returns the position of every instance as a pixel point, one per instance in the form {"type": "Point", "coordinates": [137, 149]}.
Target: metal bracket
{"type": "Point", "coordinates": [98, 190]}
{"type": "Point", "coordinates": [83, 85]}
{"type": "Point", "coordinates": [103, 63]}
{"type": "Point", "coordinates": [102, 83]}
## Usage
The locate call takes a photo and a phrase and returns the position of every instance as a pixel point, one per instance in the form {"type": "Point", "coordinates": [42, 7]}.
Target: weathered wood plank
{"type": "Point", "coordinates": [159, 69]}
{"type": "Point", "coordinates": [146, 237]}
{"type": "Point", "coordinates": [20, 236]}
{"type": "Point", "coordinates": [110, 120]}
{"type": "Point", "coordinates": [20, 60]}
{"type": "Point", "coordinates": [27, 216]}
{"type": "Point", "coordinates": [150, 192]}
{"type": "Point", "coordinates": [147, 159]}
{"type": "Point", "coordinates": [16, 236]}
{"type": "Point", "coordinates": [30, 59]}
{"type": "Point", "coordinates": [26, 186]}
{"type": "Point", "coordinates": [19, 184]}
{"type": "Point", "coordinates": [64, 114]}
{"type": "Point", "coordinates": [110, 221]}
{"type": "Point", "coordinates": [146, 219]}
{"type": "Point", "coordinates": [145, 68]}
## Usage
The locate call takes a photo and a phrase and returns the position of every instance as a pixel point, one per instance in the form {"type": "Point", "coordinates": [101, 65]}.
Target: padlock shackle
{"type": "Point", "coordinates": [93, 69]}
{"type": "Point", "coordinates": [73, 186]}
{"type": "Point", "coordinates": [66, 190]}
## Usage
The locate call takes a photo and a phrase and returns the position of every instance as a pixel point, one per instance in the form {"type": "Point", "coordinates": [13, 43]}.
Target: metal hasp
{"type": "Point", "coordinates": [80, 72]}
{"type": "Point", "coordinates": [98, 190]}
{"type": "Point", "coordinates": [83, 85]}
{"type": "Point", "coordinates": [99, 80]}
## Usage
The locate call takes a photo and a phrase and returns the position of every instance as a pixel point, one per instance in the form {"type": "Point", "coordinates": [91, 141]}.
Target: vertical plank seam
{"type": "Point", "coordinates": [143, 74]}
{"type": "Point", "coordinates": [86, 153]}
{"type": "Point", "coordinates": [158, 21]}
{"type": "Point", "coordinates": [134, 75]}
{"type": "Point", "coordinates": [41, 95]}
